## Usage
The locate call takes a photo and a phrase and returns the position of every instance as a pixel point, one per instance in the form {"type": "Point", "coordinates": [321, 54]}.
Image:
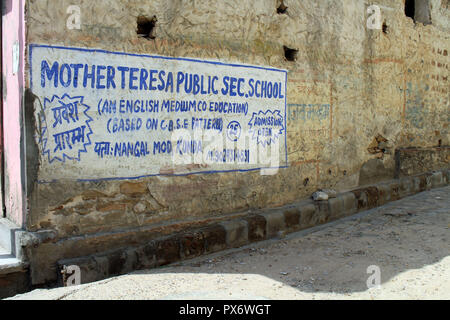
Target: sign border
{"type": "Point", "coordinates": [30, 53]}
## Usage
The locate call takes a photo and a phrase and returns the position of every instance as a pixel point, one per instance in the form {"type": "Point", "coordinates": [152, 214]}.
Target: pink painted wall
{"type": "Point", "coordinates": [13, 30]}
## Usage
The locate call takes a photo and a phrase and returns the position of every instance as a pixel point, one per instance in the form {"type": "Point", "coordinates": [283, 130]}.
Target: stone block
{"type": "Point", "coordinates": [215, 238]}
{"type": "Point", "coordinates": [236, 232]}
{"type": "Point", "coordinates": [395, 191]}
{"type": "Point", "coordinates": [406, 186]}
{"type": "Point", "coordinates": [343, 205]}
{"type": "Point", "coordinates": [133, 189]}
{"type": "Point", "coordinates": [256, 228]}
{"type": "Point", "coordinates": [146, 256]}
{"type": "Point", "coordinates": [384, 192]}
{"type": "Point", "coordinates": [192, 245]}
{"type": "Point", "coordinates": [307, 213]}
{"type": "Point", "coordinates": [437, 179]}
{"type": "Point", "coordinates": [292, 219]}
{"type": "Point", "coordinates": [322, 213]}
{"type": "Point", "coordinates": [167, 250]}
{"type": "Point", "coordinates": [274, 223]}
{"type": "Point", "coordinates": [361, 199]}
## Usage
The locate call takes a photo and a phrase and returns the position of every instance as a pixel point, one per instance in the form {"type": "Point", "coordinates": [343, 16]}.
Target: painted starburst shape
{"type": "Point", "coordinates": [259, 129]}
{"type": "Point", "coordinates": [50, 128]}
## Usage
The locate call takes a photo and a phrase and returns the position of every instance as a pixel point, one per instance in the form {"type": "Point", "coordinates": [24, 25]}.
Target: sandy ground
{"type": "Point", "coordinates": [409, 240]}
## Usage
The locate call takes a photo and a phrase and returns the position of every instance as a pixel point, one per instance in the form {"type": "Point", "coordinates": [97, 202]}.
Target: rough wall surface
{"type": "Point", "coordinates": [354, 96]}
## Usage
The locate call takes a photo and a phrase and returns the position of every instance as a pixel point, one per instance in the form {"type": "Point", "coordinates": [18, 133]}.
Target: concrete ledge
{"type": "Point", "coordinates": [343, 205]}
{"type": "Point", "coordinates": [265, 224]}
{"type": "Point", "coordinates": [292, 219]}
{"type": "Point", "coordinates": [322, 213]}
{"type": "Point", "coordinates": [11, 264]}
{"type": "Point", "coordinates": [307, 212]}
{"type": "Point", "coordinates": [14, 282]}
{"type": "Point", "coordinates": [7, 230]}
{"type": "Point", "coordinates": [437, 180]}
{"type": "Point", "coordinates": [256, 227]}
{"type": "Point", "coordinates": [236, 232]}
{"type": "Point", "coordinates": [406, 187]}
{"type": "Point", "coordinates": [215, 238]}
{"type": "Point", "coordinates": [384, 192]}
{"type": "Point", "coordinates": [275, 223]}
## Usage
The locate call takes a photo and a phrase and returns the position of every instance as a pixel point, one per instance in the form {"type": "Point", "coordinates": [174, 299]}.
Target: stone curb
{"type": "Point", "coordinates": [263, 225]}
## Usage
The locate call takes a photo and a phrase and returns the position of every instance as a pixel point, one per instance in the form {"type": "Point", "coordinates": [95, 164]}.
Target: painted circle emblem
{"type": "Point", "coordinates": [234, 130]}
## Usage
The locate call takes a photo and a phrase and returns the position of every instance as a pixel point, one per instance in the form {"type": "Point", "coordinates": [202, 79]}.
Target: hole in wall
{"type": "Point", "coordinates": [290, 54]}
{"type": "Point", "coordinates": [419, 10]}
{"type": "Point", "coordinates": [344, 173]}
{"type": "Point", "coordinates": [410, 8]}
{"type": "Point", "coordinates": [440, 143]}
{"type": "Point", "coordinates": [305, 182]}
{"type": "Point", "coordinates": [384, 27]}
{"type": "Point", "coordinates": [146, 26]}
{"type": "Point", "coordinates": [282, 9]}
{"type": "Point", "coordinates": [329, 171]}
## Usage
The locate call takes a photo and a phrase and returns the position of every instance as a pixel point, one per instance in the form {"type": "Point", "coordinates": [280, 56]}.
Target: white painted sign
{"type": "Point", "coordinates": [113, 115]}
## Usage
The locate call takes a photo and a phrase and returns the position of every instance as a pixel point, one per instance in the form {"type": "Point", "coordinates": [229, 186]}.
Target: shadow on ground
{"type": "Point", "coordinates": [408, 240]}
{"type": "Point", "coordinates": [403, 236]}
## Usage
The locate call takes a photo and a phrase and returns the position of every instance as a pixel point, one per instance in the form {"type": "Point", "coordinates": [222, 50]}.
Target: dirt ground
{"type": "Point", "coordinates": [408, 240]}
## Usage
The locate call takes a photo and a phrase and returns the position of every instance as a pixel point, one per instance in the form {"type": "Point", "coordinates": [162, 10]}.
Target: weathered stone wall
{"type": "Point", "coordinates": [384, 89]}
{"type": "Point", "coordinates": [411, 161]}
